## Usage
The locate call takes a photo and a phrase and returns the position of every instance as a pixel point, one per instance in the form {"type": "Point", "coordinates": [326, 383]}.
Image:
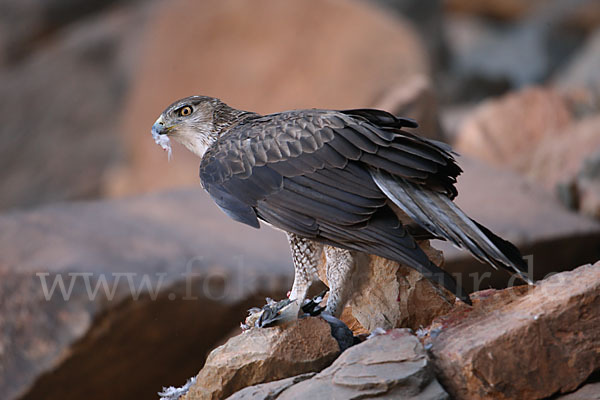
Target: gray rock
{"type": "Point", "coordinates": [393, 365]}
{"type": "Point", "coordinates": [426, 16]}
{"type": "Point", "coordinates": [582, 70]}
{"type": "Point", "coordinates": [523, 52]}
{"type": "Point", "coordinates": [588, 186]}
{"type": "Point", "coordinates": [270, 390]}
{"type": "Point", "coordinates": [591, 391]}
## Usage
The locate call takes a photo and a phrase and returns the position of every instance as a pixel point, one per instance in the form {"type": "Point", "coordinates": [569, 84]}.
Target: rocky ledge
{"type": "Point", "coordinates": [522, 342]}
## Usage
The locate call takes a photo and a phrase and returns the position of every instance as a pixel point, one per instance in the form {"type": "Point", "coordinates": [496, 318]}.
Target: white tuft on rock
{"type": "Point", "coordinates": [173, 393]}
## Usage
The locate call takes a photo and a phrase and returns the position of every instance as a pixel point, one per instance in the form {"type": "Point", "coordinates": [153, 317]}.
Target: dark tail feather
{"type": "Point", "coordinates": [509, 250]}
{"type": "Point", "coordinates": [446, 280]}
{"type": "Point", "coordinates": [436, 213]}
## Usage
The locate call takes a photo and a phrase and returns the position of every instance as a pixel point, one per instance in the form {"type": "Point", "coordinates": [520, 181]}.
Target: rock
{"type": "Point", "coordinates": [585, 17]}
{"type": "Point", "coordinates": [588, 186]}
{"type": "Point", "coordinates": [486, 53]}
{"type": "Point", "coordinates": [530, 346]}
{"type": "Point", "coordinates": [559, 159]}
{"type": "Point", "coordinates": [261, 355]}
{"type": "Point", "coordinates": [545, 144]}
{"type": "Point", "coordinates": [75, 87]}
{"type": "Point", "coordinates": [427, 18]}
{"type": "Point", "coordinates": [570, 166]}
{"type": "Point", "coordinates": [498, 9]}
{"type": "Point", "coordinates": [591, 391]}
{"type": "Point", "coordinates": [505, 131]}
{"type": "Point", "coordinates": [393, 365]}
{"type": "Point", "coordinates": [581, 70]}
{"type": "Point", "coordinates": [551, 238]}
{"type": "Point", "coordinates": [270, 390]}
{"type": "Point", "coordinates": [264, 56]}
{"type": "Point", "coordinates": [464, 35]}
{"type": "Point", "coordinates": [415, 98]}
{"type": "Point", "coordinates": [155, 282]}
{"type": "Point", "coordinates": [386, 295]}
{"type": "Point", "coordinates": [25, 23]}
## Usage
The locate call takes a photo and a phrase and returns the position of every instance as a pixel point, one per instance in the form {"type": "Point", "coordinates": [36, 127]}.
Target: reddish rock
{"type": "Point", "coordinates": [559, 159]}
{"type": "Point", "coordinates": [505, 131]}
{"type": "Point", "coordinates": [177, 282]}
{"type": "Point", "coordinates": [526, 346]}
{"type": "Point", "coordinates": [262, 355]}
{"type": "Point", "coordinates": [263, 56]}
{"type": "Point", "coordinates": [388, 295]}
{"type": "Point", "coordinates": [393, 365]}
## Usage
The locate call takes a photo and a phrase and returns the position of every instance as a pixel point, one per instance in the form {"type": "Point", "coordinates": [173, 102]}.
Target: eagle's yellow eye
{"type": "Point", "coordinates": [185, 111]}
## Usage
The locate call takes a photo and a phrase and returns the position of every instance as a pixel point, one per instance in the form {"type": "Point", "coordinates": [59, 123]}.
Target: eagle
{"type": "Point", "coordinates": [336, 182]}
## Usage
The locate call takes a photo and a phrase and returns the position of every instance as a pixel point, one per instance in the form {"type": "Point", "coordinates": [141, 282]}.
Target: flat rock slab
{"type": "Point", "coordinates": [549, 236]}
{"type": "Point", "coordinates": [591, 391]}
{"type": "Point", "coordinates": [522, 344]}
{"type": "Point", "coordinates": [261, 355]}
{"type": "Point", "coordinates": [269, 390]}
{"type": "Point", "coordinates": [150, 285]}
{"type": "Point", "coordinates": [393, 365]}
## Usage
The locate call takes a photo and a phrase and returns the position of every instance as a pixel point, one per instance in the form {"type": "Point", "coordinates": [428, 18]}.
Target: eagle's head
{"type": "Point", "coordinates": [190, 121]}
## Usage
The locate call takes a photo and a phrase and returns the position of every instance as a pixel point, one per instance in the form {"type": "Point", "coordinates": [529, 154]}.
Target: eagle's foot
{"type": "Point", "coordinates": [271, 314]}
{"type": "Point", "coordinates": [278, 312]}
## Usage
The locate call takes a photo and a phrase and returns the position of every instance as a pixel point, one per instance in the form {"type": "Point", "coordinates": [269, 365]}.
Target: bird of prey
{"type": "Point", "coordinates": [331, 180]}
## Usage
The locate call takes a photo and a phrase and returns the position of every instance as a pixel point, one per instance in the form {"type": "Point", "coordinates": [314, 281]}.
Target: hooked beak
{"type": "Point", "coordinates": [159, 134]}
{"type": "Point", "coordinates": [159, 128]}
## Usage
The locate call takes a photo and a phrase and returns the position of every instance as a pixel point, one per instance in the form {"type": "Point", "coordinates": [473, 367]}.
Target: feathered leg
{"type": "Point", "coordinates": [340, 266]}
{"type": "Point", "coordinates": [306, 254]}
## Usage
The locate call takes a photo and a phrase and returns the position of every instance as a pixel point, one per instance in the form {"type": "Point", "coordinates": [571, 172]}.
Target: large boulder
{"type": "Point", "coordinates": [134, 292]}
{"type": "Point", "coordinates": [525, 344]}
{"type": "Point", "coordinates": [60, 116]}
{"type": "Point", "coordinates": [264, 56]}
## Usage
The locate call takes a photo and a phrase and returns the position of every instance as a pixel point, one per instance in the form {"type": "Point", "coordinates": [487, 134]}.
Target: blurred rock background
{"type": "Point", "coordinates": [512, 84]}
